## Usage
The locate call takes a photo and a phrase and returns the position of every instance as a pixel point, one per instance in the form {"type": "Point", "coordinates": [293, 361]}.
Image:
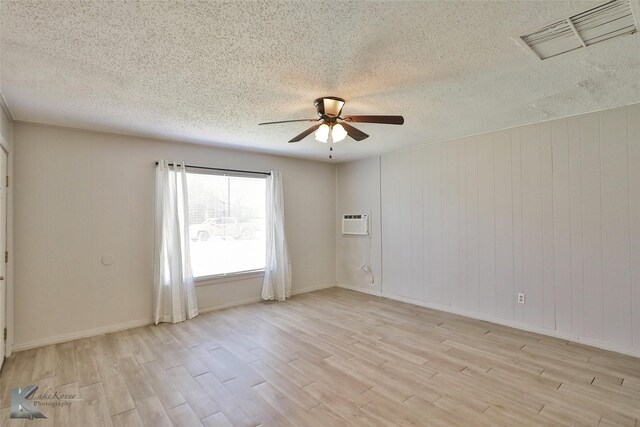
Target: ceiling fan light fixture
{"type": "Point", "coordinates": [338, 133]}
{"type": "Point", "coordinates": [331, 127]}
{"type": "Point", "coordinates": [322, 134]}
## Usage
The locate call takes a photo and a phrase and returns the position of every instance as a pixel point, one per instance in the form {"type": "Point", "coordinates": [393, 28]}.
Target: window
{"type": "Point", "coordinates": [226, 223]}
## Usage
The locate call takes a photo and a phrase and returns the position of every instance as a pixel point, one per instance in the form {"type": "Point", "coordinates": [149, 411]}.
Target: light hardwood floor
{"type": "Point", "coordinates": [328, 358]}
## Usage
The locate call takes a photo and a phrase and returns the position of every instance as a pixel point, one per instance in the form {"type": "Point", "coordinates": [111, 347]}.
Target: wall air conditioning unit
{"type": "Point", "coordinates": [355, 224]}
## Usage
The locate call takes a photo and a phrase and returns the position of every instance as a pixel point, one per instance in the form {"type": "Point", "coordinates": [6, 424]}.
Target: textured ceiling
{"type": "Point", "coordinates": [209, 72]}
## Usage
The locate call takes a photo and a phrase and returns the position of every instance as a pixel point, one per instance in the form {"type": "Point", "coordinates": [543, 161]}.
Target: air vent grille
{"type": "Point", "coordinates": [553, 40]}
{"type": "Point", "coordinates": [603, 22]}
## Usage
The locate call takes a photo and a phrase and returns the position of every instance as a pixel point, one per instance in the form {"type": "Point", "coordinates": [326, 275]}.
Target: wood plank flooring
{"type": "Point", "coordinates": [328, 358]}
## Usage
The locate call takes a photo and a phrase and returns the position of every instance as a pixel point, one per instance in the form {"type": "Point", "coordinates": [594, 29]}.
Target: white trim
{"type": "Point", "coordinates": [259, 299]}
{"type": "Point", "coordinates": [81, 334]}
{"type": "Point", "coordinates": [253, 300]}
{"type": "Point", "coordinates": [314, 288]}
{"type": "Point", "coordinates": [137, 323]}
{"type": "Point", "coordinates": [516, 325]}
{"type": "Point", "coordinates": [368, 290]}
{"type": "Point", "coordinates": [235, 303]}
{"type": "Point", "coordinates": [9, 304]}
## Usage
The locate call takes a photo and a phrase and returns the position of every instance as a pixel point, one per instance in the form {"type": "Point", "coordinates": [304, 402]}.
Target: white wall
{"type": "Point", "coordinates": [80, 195]}
{"type": "Point", "coordinates": [359, 192]}
{"type": "Point", "coordinates": [551, 210]}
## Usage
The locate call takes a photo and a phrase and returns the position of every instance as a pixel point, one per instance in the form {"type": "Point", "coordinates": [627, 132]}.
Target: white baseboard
{"type": "Point", "coordinates": [513, 324]}
{"type": "Point", "coordinates": [311, 288]}
{"type": "Point", "coordinates": [137, 323]}
{"type": "Point", "coordinates": [81, 334]}
{"type": "Point", "coordinates": [258, 298]}
{"type": "Point", "coordinates": [245, 301]}
{"type": "Point", "coordinates": [368, 290]}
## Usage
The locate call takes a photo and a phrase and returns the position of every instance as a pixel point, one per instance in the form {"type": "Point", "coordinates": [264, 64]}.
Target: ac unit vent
{"type": "Point", "coordinates": [357, 224]}
{"type": "Point", "coordinates": [612, 19]}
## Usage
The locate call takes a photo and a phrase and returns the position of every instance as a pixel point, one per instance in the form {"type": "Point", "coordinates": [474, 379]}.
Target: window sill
{"type": "Point", "coordinates": [232, 277]}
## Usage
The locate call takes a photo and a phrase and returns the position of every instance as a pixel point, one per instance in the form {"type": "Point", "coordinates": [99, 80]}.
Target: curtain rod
{"type": "Point", "coordinates": [221, 169]}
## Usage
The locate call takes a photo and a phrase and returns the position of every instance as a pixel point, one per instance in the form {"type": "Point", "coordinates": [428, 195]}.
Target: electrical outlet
{"type": "Point", "coordinates": [520, 298]}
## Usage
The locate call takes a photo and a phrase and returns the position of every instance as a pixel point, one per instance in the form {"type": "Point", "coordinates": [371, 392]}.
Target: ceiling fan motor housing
{"type": "Point", "coordinates": [329, 106]}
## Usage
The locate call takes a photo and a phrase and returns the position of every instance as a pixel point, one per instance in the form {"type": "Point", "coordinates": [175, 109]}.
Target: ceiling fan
{"type": "Point", "coordinates": [333, 127]}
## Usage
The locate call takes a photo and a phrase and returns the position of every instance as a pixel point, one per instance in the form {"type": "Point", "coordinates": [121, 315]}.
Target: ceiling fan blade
{"type": "Point", "coordinates": [305, 133]}
{"type": "Point", "coordinates": [387, 120]}
{"type": "Point", "coordinates": [354, 133]}
{"type": "Point", "coordinates": [289, 121]}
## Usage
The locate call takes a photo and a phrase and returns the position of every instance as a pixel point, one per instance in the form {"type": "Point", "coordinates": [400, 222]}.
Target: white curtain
{"type": "Point", "coordinates": [174, 287]}
{"type": "Point", "coordinates": [277, 270]}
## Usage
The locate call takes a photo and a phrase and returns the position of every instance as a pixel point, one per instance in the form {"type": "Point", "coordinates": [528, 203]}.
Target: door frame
{"type": "Point", "coordinates": [4, 169]}
{"type": "Point", "coordinates": [9, 306]}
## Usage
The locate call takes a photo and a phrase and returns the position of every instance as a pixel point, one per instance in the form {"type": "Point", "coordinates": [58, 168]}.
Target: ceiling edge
{"type": "Point", "coordinates": [442, 141]}
{"type": "Point", "coordinates": [152, 138]}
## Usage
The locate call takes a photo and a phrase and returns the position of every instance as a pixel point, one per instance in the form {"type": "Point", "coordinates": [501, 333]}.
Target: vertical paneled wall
{"type": "Point", "coordinates": [551, 210]}
{"type": "Point", "coordinates": [359, 193]}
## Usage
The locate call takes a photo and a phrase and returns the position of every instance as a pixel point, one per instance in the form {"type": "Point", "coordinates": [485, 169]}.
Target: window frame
{"type": "Point", "coordinates": [236, 275]}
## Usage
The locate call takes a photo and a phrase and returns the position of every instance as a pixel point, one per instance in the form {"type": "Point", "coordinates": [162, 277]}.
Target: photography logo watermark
{"type": "Point", "coordinates": [22, 407]}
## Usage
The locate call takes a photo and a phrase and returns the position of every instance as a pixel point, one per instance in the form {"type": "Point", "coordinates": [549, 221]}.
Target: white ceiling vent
{"type": "Point", "coordinates": [612, 19]}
